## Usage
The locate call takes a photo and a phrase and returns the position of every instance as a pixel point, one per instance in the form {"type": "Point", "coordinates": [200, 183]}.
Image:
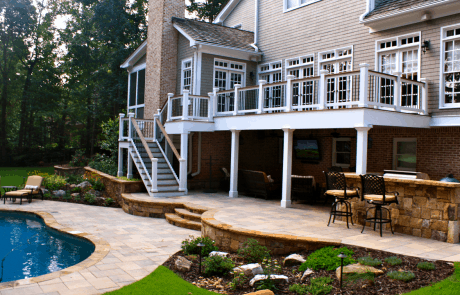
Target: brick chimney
{"type": "Point", "coordinates": [161, 53]}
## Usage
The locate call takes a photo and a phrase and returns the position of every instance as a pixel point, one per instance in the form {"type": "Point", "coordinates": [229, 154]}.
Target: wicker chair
{"type": "Point", "coordinates": [31, 189]}
{"type": "Point", "coordinates": [336, 186]}
{"type": "Point", "coordinates": [373, 191]}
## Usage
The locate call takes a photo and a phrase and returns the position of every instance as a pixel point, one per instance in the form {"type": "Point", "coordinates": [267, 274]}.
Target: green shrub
{"type": "Point", "coordinates": [189, 246]}
{"type": "Point", "coordinates": [96, 184]}
{"type": "Point", "coordinates": [47, 196]}
{"type": "Point", "coordinates": [393, 260]}
{"type": "Point", "coordinates": [54, 197]}
{"type": "Point", "coordinates": [326, 258]}
{"type": "Point", "coordinates": [108, 201]}
{"type": "Point", "coordinates": [253, 252]}
{"type": "Point", "coordinates": [90, 198]}
{"type": "Point", "coordinates": [54, 182]}
{"type": "Point", "coordinates": [405, 276]}
{"type": "Point", "coordinates": [77, 198]}
{"type": "Point", "coordinates": [425, 265]}
{"type": "Point", "coordinates": [298, 289]}
{"type": "Point", "coordinates": [318, 286]}
{"type": "Point", "coordinates": [104, 164]}
{"type": "Point", "coordinates": [79, 159]}
{"type": "Point", "coordinates": [74, 179]}
{"type": "Point", "coordinates": [76, 189]}
{"type": "Point", "coordinates": [270, 266]}
{"type": "Point", "coordinates": [67, 197]}
{"type": "Point", "coordinates": [369, 261]}
{"type": "Point", "coordinates": [217, 265]}
{"type": "Point", "coordinates": [239, 280]}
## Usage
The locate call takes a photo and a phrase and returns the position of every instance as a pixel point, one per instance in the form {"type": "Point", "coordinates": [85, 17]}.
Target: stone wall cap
{"type": "Point", "coordinates": [411, 181]}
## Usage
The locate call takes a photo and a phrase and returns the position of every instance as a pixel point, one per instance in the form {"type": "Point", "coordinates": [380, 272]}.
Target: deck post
{"type": "Point", "coordinates": [120, 122]}
{"type": "Point", "coordinates": [423, 96]}
{"type": "Point", "coordinates": [130, 163]}
{"type": "Point", "coordinates": [361, 149]}
{"type": "Point", "coordinates": [363, 85]}
{"type": "Point", "coordinates": [289, 79]}
{"type": "Point", "coordinates": [120, 162]}
{"type": "Point", "coordinates": [214, 106]}
{"type": "Point", "coordinates": [397, 91]}
{"type": "Point", "coordinates": [236, 99]}
{"type": "Point", "coordinates": [287, 167]}
{"type": "Point", "coordinates": [130, 125]}
{"type": "Point", "coordinates": [154, 175]}
{"type": "Point", "coordinates": [185, 102]}
{"type": "Point", "coordinates": [261, 96]}
{"type": "Point", "coordinates": [169, 114]}
{"type": "Point", "coordinates": [322, 89]}
{"type": "Point", "coordinates": [233, 193]}
{"type": "Point", "coordinates": [183, 162]}
{"type": "Point", "coordinates": [210, 106]}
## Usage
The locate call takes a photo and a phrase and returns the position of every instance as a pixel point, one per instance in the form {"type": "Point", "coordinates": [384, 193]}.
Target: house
{"type": "Point", "coordinates": [367, 85]}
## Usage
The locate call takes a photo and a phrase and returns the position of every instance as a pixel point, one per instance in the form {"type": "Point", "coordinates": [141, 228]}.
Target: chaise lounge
{"type": "Point", "coordinates": [31, 189]}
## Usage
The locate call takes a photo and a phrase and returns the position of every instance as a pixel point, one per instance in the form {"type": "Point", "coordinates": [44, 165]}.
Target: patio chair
{"type": "Point", "coordinates": [31, 189]}
{"type": "Point", "coordinates": [336, 186]}
{"type": "Point", "coordinates": [373, 191]}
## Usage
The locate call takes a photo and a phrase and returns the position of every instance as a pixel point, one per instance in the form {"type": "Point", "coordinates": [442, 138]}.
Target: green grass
{"type": "Point", "coordinates": [161, 282]}
{"type": "Point", "coordinates": [14, 175]}
{"type": "Point", "coordinates": [449, 286]}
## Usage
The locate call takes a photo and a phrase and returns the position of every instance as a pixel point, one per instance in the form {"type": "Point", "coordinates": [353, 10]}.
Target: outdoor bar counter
{"type": "Point", "coordinates": [427, 208]}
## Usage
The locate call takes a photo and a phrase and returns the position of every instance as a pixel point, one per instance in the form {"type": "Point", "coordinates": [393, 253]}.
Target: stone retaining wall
{"type": "Point", "coordinates": [426, 208]}
{"type": "Point", "coordinates": [64, 171]}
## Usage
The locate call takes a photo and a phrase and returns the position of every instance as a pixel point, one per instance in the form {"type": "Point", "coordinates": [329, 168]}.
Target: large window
{"type": "Point", "coordinates": [186, 75]}
{"type": "Point", "coordinates": [274, 95]}
{"type": "Point", "coordinates": [226, 75]}
{"type": "Point", "coordinates": [450, 55]}
{"type": "Point", "coordinates": [303, 93]}
{"type": "Point", "coordinates": [293, 4]}
{"type": "Point", "coordinates": [341, 152]}
{"type": "Point", "coordinates": [136, 92]}
{"type": "Point", "coordinates": [405, 154]}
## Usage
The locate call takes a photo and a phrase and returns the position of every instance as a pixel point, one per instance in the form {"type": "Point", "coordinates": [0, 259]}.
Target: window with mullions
{"type": "Point", "coordinates": [303, 92]}
{"type": "Point", "coordinates": [450, 55]}
{"type": "Point", "coordinates": [136, 93]}
{"type": "Point", "coordinates": [405, 154]}
{"type": "Point", "coordinates": [186, 81]}
{"type": "Point", "coordinates": [293, 4]}
{"type": "Point", "coordinates": [226, 75]}
{"type": "Point", "coordinates": [341, 152]}
{"type": "Point", "coordinates": [274, 96]}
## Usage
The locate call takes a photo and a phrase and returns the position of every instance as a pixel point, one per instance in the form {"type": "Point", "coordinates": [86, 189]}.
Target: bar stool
{"type": "Point", "coordinates": [336, 186]}
{"type": "Point", "coordinates": [373, 191]}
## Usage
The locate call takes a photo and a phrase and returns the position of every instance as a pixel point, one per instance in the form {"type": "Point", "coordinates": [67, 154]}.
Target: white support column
{"type": "Point", "coordinates": [210, 106]}
{"type": "Point", "coordinates": [287, 167]}
{"type": "Point", "coordinates": [183, 162]}
{"type": "Point", "coordinates": [397, 91]}
{"type": "Point", "coordinates": [361, 149]}
{"type": "Point", "coordinates": [289, 79]}
{"type": "Point", "coordinates": [155, 117]}
{"type": "Point", "coordinates": [130, 165]}
{"type": "Point", "coordinates": [154, 175]}
{"type": "Point", "coordinates": [185, 102]}
{"type": "Point", "coordinates": [261, 96]}
{"type": "Point", "coordinates": [233, 193]}
{"type": "Point", "coordinates": [121, 126]}
{"type": "Point", "coordinates": [423, 96]}
{"type": "Point", "coordinates": [322, 89]}
{"type": "Point", "coordinates": [169, 114]}
{"type": "Point", "coordinates": [363, 85]}
{"type": "Point", "coordinates": [214, 106]}
{"type": "Point", "coordinates": [120, 162]}
{"type": "Point", "coordinates": [130, 125]}
{"type": "Point", "coordinates": [236, 99]}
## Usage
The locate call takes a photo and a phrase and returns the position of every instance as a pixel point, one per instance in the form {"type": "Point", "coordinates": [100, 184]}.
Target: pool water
{"type": "Point", "coordinates": [29, 248]}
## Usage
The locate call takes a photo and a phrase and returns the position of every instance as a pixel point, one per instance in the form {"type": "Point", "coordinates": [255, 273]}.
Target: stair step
{"type": "Point", "coordinates": [184, 213]}
{"type": "Point", "coordinates": [176, 220]}
{"type": "Point", "coordinates": [162, 182]}
{"type": "Point", "coordinates": [154, 154]}
{"type": "Point", "coordinates": [167, 194]}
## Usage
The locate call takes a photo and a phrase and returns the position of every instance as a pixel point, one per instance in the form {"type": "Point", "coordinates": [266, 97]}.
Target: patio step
{"type": "Point", "coordinates": [184, 213]}
{"type": "Point", "coordinates": [176, 220]}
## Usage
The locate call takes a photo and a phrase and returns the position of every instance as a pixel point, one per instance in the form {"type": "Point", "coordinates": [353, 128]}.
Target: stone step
{"type": "Point", "coordinates": [176, 220]}
{"type": "Point", "coordinates": [167, 194]}
{"type": "Point", "coordinates": [184, 213]}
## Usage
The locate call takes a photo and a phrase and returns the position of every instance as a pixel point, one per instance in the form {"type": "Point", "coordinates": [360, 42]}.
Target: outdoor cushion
{"type": "Point", "coordinates": [34, 187]}
{"type": "Point", "coordinates": [390, 197]}
{"type": "Point", "coordinates": [341, 193]}
{"type": "Point", "coordinates": [20, 193]}
{"type": "Point", "coordinates": [34, 180]}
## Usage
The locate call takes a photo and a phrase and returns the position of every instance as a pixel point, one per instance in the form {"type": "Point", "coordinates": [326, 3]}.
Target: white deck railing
{"type": "Point", "coordinates": [363, 88]}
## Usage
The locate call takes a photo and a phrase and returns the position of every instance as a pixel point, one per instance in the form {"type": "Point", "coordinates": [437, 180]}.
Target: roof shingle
{"type": "Point", "coordinates": [387, 7]}
{"type": "Point", "coordinates": [216, 34]}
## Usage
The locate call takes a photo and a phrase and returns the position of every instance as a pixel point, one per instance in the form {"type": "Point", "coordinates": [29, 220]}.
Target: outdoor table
{"type": "Point", "coordinates": [8, 189]}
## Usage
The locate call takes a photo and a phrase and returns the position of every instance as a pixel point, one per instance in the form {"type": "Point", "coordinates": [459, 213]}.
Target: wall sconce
{"type": "Point", "coordinates": [425, 46]}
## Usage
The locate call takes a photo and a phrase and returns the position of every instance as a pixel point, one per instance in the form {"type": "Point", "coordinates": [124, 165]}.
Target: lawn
{"type": "Point", "coordinates": [14, 175]}
{"type": "Point", "coordinates": [161, 282]}
{"type": "Point", "coordinates": [449, 286]}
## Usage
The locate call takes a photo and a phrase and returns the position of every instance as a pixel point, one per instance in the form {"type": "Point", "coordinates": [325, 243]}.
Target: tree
{"type": "Point", "coordinates": [206, 10]}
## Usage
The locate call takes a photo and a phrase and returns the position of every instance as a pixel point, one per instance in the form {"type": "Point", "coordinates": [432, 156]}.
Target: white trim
{"type": "Point", "coordinates": [199, 60]}
{"type": "Point", "coordinates": [135, 56]}
{"type": "Point", "coordinates": [334, 152]}
{"type": "Point", "coordinates": [395, 142]}
{"type": "Point", "coordinates": [182, 69]}
{"type": "Point", "coordinates": [192, 41]}
{"type": "Point", "coordinates": [228, 70]}
{"type": "Point", "coordinates": [301, 65]}
{"type": "Point", "coordinates": [222, 16]}
{"type": "Point", "coordinates": [445, 121]}
{"type": "Point", "coordinates": [138, 69]}
{"type": "Point", "coordinates": [443, 39]}
{"type": "Point", "coordinates": [228, 47]}
{"type": "Point", "coordinates": [336, 58]}
{"type": "Point", "coordinates": [299, 5]}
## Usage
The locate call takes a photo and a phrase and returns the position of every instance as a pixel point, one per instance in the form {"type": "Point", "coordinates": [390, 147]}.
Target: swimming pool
{"type": "Point", "coordinates": [29, 248]}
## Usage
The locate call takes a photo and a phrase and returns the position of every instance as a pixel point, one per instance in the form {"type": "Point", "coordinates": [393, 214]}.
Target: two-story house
{"type": "Point", "coordinates": [294, 87]}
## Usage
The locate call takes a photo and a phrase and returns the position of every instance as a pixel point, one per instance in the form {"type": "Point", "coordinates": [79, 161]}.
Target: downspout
{"type": "Point", "coordinates": [190, 153]}
{"type": "Point", "coordinates": [199, 156]}
{"type": "Point", "coordinates": [256, 25]}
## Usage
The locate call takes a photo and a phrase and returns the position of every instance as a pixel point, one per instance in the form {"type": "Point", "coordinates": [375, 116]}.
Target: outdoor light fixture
{"type": "Point", "coordinates": [200, 245]}
{"type": "Point", "coordinates": [341, 256]}
{"type": "Point", "coordinates": [425, 46]}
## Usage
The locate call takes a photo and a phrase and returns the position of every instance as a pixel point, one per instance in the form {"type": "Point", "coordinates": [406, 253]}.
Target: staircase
{"type": "Point", "coordinates": [168, 185]}
{"type": "Point", "coordinates": [187, 218]}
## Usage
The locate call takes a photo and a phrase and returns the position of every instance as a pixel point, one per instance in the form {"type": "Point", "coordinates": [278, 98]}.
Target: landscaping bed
{"type": "Point", "coordinates": [328, 283]}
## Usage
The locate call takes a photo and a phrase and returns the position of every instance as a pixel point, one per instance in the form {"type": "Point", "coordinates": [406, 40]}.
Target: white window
{"type": "Point", "coordinates": [303, 93]}
{"type": "Point", "coordinates": [186, 76]}
{"type": "Point", "coordinates": [450, 67]}
{"type": "Point", "coordinates": [405, 154]}
{"type": "Point", "coordinates": [399, 54]}
{"type": "Point", "coordinates": [226, 75]}
{"type": "Point", "coordinates": [293, 4]}
{"type": "Point", "coordinates": [341, 152]}
{"type": "Point", "coordinates": [136, 91]}
{"type": "Point", "coordinates": [273, 96]}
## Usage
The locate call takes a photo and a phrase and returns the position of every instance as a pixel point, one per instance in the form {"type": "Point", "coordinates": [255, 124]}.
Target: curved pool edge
{"type": "Point", "coordinates": [101, 249]}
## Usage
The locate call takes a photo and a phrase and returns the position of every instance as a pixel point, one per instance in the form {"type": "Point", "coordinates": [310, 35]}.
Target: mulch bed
{"type": "Point", "coordinates": [382, 284]}
{"type": "Point", "coordinates": [98, 202]}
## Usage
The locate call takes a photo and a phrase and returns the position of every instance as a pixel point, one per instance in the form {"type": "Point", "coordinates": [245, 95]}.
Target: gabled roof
{"type": "Point", "coordinates": [212, 34]}
{"type": "Point", "coordinates": [391, 7]}
{"type": "Point", "coordinates": [135, 56]}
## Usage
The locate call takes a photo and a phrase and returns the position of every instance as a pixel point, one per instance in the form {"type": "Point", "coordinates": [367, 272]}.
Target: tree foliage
{"type": "Point", "coordinates": [206, 10]}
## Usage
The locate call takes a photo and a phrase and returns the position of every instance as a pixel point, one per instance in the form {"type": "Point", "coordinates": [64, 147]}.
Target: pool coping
{"type": "Point", "coordinates": [102, 248]}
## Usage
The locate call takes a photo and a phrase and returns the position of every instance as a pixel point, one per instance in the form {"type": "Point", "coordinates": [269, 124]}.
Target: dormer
{"type": "Point", "coordinates": [382, 15]}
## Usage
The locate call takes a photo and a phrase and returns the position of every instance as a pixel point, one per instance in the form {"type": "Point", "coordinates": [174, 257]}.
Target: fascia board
{"type": "Point", "coordinates": [226, 11]}
{"type": "Point", "coordinates": [179, 29]}
{"type": "Point", "coordinates": [135, 56]}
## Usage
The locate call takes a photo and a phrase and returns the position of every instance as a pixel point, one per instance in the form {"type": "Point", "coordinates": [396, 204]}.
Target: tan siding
{"type": "Point", "coordinates": [184, 51]}
{"type": "Point", "coordinates": [243, 14]}
{"type": "Point", "coordinates": [331, 24]}
{"type": "Point", "coordinates": [207, 72]}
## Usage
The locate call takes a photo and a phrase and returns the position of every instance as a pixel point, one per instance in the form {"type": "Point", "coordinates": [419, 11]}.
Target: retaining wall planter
{"type": "Point", "coordinates": [65, 171]}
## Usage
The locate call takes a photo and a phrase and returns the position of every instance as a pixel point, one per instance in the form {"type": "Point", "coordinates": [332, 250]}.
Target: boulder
{"type": "Point", "coordinates": [183, 264]}
{"type": "Point", "coordinates": [357, 268]}
{"type": "Point", "coordinates": [75, 195]}
{"type": "Point", "coordinates": [217, 253]}
{"type": "Point", "coordinates": [306, 274]}
{"type": "Point", "coordinates": [59, 193]}
{"type": "Point", "coordinates": [84, 184]}
{"type": "Point", "coordinates": [73, 186]}
{"type": "Point", "coordinates": [249, 270]}
{"type": "Point", "coordinates": [276, 278]}
{"type": "Point", "coordinates": [293, 259]}
{"type": "Point", "coordinates": [95, 193]}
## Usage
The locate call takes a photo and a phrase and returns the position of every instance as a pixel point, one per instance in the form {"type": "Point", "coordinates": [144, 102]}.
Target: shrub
{"type": "Point", "coordinates": [270, 266]}
{"type": "Point", "coordinates": [298, 289]}
{"type": "Point", "coordinates": [405, 276]}
{"type": "Point", "coordinates": [253, 252]}
{"type": "Point", "coordinates": [326, 258]}
{"type": "Point", "coordinates": [90, 198]}
{"type": "Point", "coordinates": [46, 195]}
{"type": "Point", "coordinates": [239, 280]}
{"type": "Point", "coordinates": [104, 164]}
{"type": "Point", "coordinates": [97, 185]}
{"type": "Point", "coordinates": [425, 265]}
{"type": "Point", "coordinates": [77, 198]}
{"type": "Point", "coordinates": [217, 265]}
{"type": "Point", "coordinates": [108, 201]}
{"type": "Point", "coordinates": [318, 286]}
{"type": "Point", "coordinates": [74, 179]}
{"type": "Point", "coordinates": [393, 260]}
{"type": "Point", "coordinates": [369, 261]}
{"type": "Point", "coordinates": [54, 182]}
{"type": "Point", "coordinates": [79, 159]}
{"type": "Point", "coordinates": [76, 189]}
{"type": "Point", "coordinates": [189, 246]}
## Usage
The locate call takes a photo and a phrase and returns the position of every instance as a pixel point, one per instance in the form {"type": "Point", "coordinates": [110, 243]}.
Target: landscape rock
{"type": "Point", "coordinates": [73, 186]}
{"type": "Point", "coordinates": [249, 269]}
{"type": "Point", "coordinates": [59, 193]}
{"type": "Point", "coordinates": [84, 184]}
{"type": "Point", "coordinates": [293, 259]}
{"type": "Point", "coordinates": [75, 195]}
{"type": "Point", "coordinates": [276, 278]}
{"type": "Point", "coordinates": [306, 274]}
{"type": "Point", "coordinates": [183, 264]}
{"type": "Point", "coordinates": [45, 191]}
{"type": "Point", "coordinates": [262, 292]}
{"type": "Point", "coordinates": [217, 253]}
{"type": "Point", "coordinates": [357, 268]}
{"type": "Point", "coordinates": [95, 192]}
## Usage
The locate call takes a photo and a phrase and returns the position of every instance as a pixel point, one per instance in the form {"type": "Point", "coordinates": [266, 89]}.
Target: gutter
{"type": "Point", "coordinates": [199, 156]}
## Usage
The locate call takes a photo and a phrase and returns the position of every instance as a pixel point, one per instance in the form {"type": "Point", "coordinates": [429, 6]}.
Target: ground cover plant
{"type": "Point", "coordinates": [326, 258]}
{"type": "Point", "coordinates": [368, 260]}
{"type": "Point", "coordinates": [393, 260]}
{"type": "Point", "coordinates": [426, 265]}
